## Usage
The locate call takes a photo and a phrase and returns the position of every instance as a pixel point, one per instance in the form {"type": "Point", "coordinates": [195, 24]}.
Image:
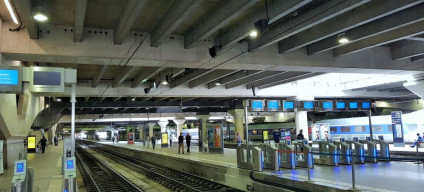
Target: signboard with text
{"type": "Point", "coordinates": [31, 143]}
{"type": "Point", "coordinates": [10, 79]}
{"type": "Point", "coordinates": [397, 127]}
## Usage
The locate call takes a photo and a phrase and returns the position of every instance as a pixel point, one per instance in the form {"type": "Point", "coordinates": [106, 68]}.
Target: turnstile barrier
{"type": "Point", "coordinates": [250, 157]}
{"type": "Point", "coordinates": [23, 177]}
{"type": "Point", "coordinates": [344, 151]}
{"type": "Point", "coordinates": [357, 150]}
{"type": "Point", "coordinates": [371, 152]}
{"type": "Point", "coordinates": [271, 159]}
{"type": "Point", "coordinates": [304, 155]}
{"type": "Point", "coordinates": [287, 155]}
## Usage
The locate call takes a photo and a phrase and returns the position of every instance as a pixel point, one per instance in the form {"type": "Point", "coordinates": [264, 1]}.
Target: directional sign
{"type": "Point", "coordinates": [397, 128]}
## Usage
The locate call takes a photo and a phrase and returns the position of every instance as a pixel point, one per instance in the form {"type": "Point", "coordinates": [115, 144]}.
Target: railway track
{"type": "Point", "coordinates": [99, 177]}
{"type": "Point", "coordinates": [170, 178]}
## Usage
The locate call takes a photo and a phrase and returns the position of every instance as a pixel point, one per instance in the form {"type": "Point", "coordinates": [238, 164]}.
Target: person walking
{"type": "Point", "coordinates": [153, 141]}
{"type": "Point", "coordinates": [113, 139]}
{"type": "Point", "coordinates": [170, 139]}
{"type": "Point", "coordinates": [180, 142]}
{"type": "Point", "coordinates": [239, 140]}
{"type": "Point", "coordinates": [188, 142]}
{"type": "Point", "coordinates": [43, 143]}
{"type": "Point", "coordinates": [56, 141]}
{"type": "Point", "coordinates": [300, 135]}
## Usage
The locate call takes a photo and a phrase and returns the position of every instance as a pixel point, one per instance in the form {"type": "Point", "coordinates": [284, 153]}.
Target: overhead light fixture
{"type": "Point", "coordinates": [164, 82]}
{"type": "Point", "coordinates": [253, 33]}
{"type": "Point", "coordinates": [343, 39]}
{"type": "Point", "coordinates": [40, 17]}
{"type": "Point", "coordinates": [217, 83]}
{"type": "Point", "coordinates": [10, 9]}
{"type": "Point", "coordinates": [261, 26]}
{"type": "Point", "coordinates": [133, 99]}
{"type": "Point", "coordinates": [58, 99]}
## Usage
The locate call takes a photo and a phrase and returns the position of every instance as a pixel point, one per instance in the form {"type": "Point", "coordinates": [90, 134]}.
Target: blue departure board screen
{"type": "Point", "coordinates": [273, 105]}
{"type": "Point", "coordinates": [70, 164]}
{"type": "Point", "coordinates": [47, 78]}
{"type": "Point", "coordinates": [353, 105]}
{"type": "Point", "coordinates": [288, 104]}
{"type": "Point", "coordinates": [20, 167]}
{"type": "Point", "coordinates": [9, 77]}
{"type": "Point", "coordinates": [257, 105]}
{"type": "Point", "coordinates": [327, 105]}
{"type": "Point", "coordinates": [366, 105]}
{"type": "Point", "coordinates": [308, 105]}
{"type": "Point", "coordinates": [340, 105]}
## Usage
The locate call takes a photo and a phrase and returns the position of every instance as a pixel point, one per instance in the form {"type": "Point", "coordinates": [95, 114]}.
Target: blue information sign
{"type": "Point", "coordinates": [366, 105]}
{"type": "Point", "coordinates": [340, 105]}
{"type": "Point", "coordinates": [20, 167]}
{"type": "Point", "coordinates": [288, 104]}
{"type": "Point", "coordinates": [70, 164]}
{"type": "Point", "coordinates": [273, 105]}
{"type": "Point", "coordinates": [308, 105]}
{"type": "Point", "coordinates": [9, 77]}
{"type": "Point", "coordinates": [327, 105]}
{"type": "Point", "coordinates": [397, 129]}
{"type": "Point", "coordinates": [353, 105]}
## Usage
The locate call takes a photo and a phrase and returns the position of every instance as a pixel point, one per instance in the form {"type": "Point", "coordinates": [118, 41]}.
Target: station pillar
{"type": "Point", "coordinates": [180, 123]}
{"type": "Point", "coordinates": [203, 119]}
{"type": "Point", "coordinates": [151, 125]}
{"type": "Point", "coordinates": [163, 123]}
{"type": "Point", "coordinates": [238, 115]}
{"type": "Point", "coordinates": [302, 122]}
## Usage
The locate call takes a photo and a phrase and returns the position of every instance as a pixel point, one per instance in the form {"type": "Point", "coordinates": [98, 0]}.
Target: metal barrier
{"type": "Point", "coordinates": [271, 158]}
{"type": "Point", "coordinates": [371, 152]}
{"type": "Point", "coordinates": [327, 147]}
{"type": "Point", "coordinates": [304, 156]}
{"type": "Point", "coordinates": [69, 181]}
{"type": "Point", "coordinates": [23, 177]}
{"type": "Point", "coordinates": [358, 152]}
{"type": "Point", "coordinates": [419, 145]}
{"type": "Point", "coordinates": [287, 155]}
{"type": "Point", "coordinates": [384, 148]}
{"type": "Point", "coordinates": [344, 150]}
{"type": "Point", "coordinates": [250, 157]}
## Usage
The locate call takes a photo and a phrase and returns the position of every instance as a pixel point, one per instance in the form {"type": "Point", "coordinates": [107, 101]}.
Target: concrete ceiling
{"type": "Point", "coordinates": [130, 44]}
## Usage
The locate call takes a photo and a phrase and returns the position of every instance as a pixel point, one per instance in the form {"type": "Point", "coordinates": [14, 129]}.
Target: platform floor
{"type": "Point", "coordinates": [381, 176]}
{"type": "Point", "coordinates": [47, 170]}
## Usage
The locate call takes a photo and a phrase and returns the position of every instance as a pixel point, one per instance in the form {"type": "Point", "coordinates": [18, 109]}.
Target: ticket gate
{"type": "Point", "coordinates": [23, 177]}
{"type": "Point", "coordinates": [271, 157]}
{"type": "Point", "coordinates": [328, 154]}
{"type": "Point", "coordinates": [69, 178]}
{"type": "Point", "coordinates": [371, 152]}
{"type": "Point", "coordinates": [357, 150]}
{"type": "Point", "coordinates": [287, 155]}
{"type": "Point", "coordinates": [344, 151]}
{"type": "Point", "coordinates": [304, 155]}
{"type": "Point", "coordinates": [250, 157]}
{"type": "Point", "coordinates": [384, 148]}
{"type": "Point", "coordinates": [1, 157]}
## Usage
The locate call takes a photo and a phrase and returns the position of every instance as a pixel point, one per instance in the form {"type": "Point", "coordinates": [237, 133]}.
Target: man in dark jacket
{"type": "Point", "coordinates": [188, 142]}
{"type": "Point", "coordinates": [180, 142]}
{"type": "Point", "coordinates": [153, 141]}
{"type": "Point", "coordinates": [300, 135]}
{"type": "Point", "coordinates": [43, 143]}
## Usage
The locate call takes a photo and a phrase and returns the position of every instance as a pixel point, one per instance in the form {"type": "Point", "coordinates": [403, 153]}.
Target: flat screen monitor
{"type": "Point", "coordinates": [70, 164]}
{"type": "Point", "coordinates": [366, 105]}
{"type": "Point", "coordinates": [288, 105]}
{"type": "Point", "coordinates": [288, 142]}
{"type": "Point", "coordinates": [273, 105]}
{"type": "Point", "coordinates": [308, 105]}
{"type": "Point", "coordinates": [340, 105]}
{"type": "Point", "coordinates": [327, 105]}
{"type": "Point", "coordinates": [353, 105]}
{"type": "Point", "coordinates": [20, 167]}
{"type": "Point", "coordinates": [9, 77]}
{"type": "Point", "coordinates": [257, 105]}
{"type": "Point", "coordinates": [49, 78]}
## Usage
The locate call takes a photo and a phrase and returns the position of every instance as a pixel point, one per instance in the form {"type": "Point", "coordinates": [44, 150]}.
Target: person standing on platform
{"type": "Point", "coordinates": [113, 139]}
{"type": "Point", "coordinates": [148, 141]}
{"type": "Point", "coordinates": [419, 139]}
{"type": "Point", "coordinates": [43, 143]}
{"type": "Point", "coordinates": [239, 140]}
{"type": "Point", "coordinates": [170, 139]}
{"type": "Point", "coordinates": [56, 141]}
{"type": "Point", "coordinates": [300, 135]}
{"type": "Point", "coordinates": [153, 141]}
{"type": "Point", "coordinates": [188, 142]}
{"type": "Point", "coordinates": [181, 142]}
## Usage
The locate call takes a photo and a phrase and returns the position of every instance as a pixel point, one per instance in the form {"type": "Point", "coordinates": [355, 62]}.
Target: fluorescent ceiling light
{"type": "Point", "coordinates": [133, 99]}
{"type": "Point", "coordinates": [343, 40]}
{"type": "Point", "coordinates": [58, 99]}
{"type": "Point", "coordinates": [164, 82]}
{"type": "Point", "coordinates": [12, 13]}
{"type": "Point", "coordinates": [253, 33]}
{"type": "Point", "coordinates": [40, 17]}
{"type": "Point", "coordinates": [217, 83]}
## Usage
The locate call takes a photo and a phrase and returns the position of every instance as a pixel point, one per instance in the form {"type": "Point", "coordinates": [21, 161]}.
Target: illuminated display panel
{"type": "Point", "coordinates": [340, 105]}
{"type": "Point", "coordinates": [366, 105]}
{"type": "Point", "coordinates": [308, 105]}
{"type": "Point", "coordinates": [9, 77]}
{"type": "Point", "coordinates": [327, 105]}
{"type": "Point", "coordinates": [353, 105]}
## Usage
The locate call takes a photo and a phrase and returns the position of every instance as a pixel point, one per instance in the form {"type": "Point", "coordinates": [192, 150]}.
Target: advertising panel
{"type": "Point", "coordinates": [397, 127]}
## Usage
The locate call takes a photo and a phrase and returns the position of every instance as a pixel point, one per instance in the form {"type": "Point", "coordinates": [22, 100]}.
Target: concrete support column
{"type": "Point", "coordinates": [204, 120]}
{"type": "Point", "coordinates": [151, 125]}
{"type": "Point", "coordinates": [302, 122]}
{"type": "Point", "coordinates": [238, 115]}
{"type": "Point", "coordinates": [163, 123]}
{"type": "Point", "coordinates": [180, 123]}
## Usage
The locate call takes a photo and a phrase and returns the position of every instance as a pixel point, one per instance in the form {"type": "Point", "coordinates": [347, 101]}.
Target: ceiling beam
{"type": "Point", "coordinates": [157, 99]}
{"type": "Point", "coordinates": [411, 49]}
{"type": "Point", "coordinates": [101, 99]}
{"type": "Point", "coordinates": [217, 19]}
{"type": "Point", "coordinates": [276, 10]}
{"type": "Point", "coordinates": [189, 76]}
{"type": "Point", "coordinates": [212, 76]}
{"type": "Point", "coordinates": [80, 8]}
{"type": "Point", "coordinates": [185, 99]}
{"type": "Point", "coordinates": [315, 16]}
{"type": "Point", "coordinates": [128, 17]}
{"type": "Point", "coordinates": [233, 77]}
{"type": "Point", "coordinates": [416, 38]}
{"type": "Point", "coordinates": [99, 75]}
{"type": "Point", "coordinates": [256, 77]}
{"type": "Point", "coordinates": [123, 75]}
{"type": "Point", "coordinates": [86, 99]}
{"type": "Point", "coordinates": [116, 99]}
{"type": "Point", "coordinates": [363, 14]}
{"type": "Point", "coordinates": [146, 74]}
{"type": "Point", "coordinates": [381, 39]}
{"type": "Point", "coordinates": [418, 58]}
{"type": "Point", "coordinates": [393, 21]}
{"type": "Point", "coordinates": [175, 15]}
{"type": "Point", "coordinates": [283, 78]}
{"type": "Point", "coordinates": [24, 10]}
{"type": "Point", "coordinates": [146, 99]}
